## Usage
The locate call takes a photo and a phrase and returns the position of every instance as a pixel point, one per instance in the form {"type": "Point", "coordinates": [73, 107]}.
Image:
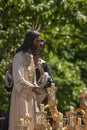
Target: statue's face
{"type": "Point", "coordinates": [36, 41]}
{"type": "Point", "coordinates": [38, 46]}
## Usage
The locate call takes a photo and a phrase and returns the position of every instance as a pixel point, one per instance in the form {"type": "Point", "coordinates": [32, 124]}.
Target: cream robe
{"type": "Point", "coordinates": [23, 100]}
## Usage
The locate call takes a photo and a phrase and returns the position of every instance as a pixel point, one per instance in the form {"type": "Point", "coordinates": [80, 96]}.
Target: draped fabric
{"type": "Point", "coordinates": [23, 100]}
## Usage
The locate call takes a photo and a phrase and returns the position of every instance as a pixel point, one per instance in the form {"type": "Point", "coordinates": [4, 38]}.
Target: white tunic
{"type": "Point", "coordinates": [23, 100]}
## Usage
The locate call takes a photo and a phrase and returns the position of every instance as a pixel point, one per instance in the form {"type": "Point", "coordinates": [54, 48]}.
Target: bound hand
{"type": "Point", "coordinates": [36, 90]}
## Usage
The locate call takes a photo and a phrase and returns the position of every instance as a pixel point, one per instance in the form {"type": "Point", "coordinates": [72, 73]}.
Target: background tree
{"type": "Point", "coordinates": [63, 26]}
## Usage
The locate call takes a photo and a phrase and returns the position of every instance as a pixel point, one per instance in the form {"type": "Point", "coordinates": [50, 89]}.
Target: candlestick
{"type": "Point", "coordinates": [39, 120]}
{"type": "Point", "coordinates": [53, 98]}
{"type": "Point", "coordinates": [60, 116]}
{"type": "Point", "coordinates": [42, 107]}
{"type": "Point", "coordinates": [78, 127]}
{"type": "Point", "coordinates": [27, 118]}
{"type": "Point", "coordinates": [60, 125]}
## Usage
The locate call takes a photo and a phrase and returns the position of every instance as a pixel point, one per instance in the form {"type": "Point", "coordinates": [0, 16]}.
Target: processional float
{"type": "Point", "coordinates": [72, 120]}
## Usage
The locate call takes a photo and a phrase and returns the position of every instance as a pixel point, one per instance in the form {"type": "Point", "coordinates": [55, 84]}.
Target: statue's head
{"type": "Point", "coordinates": [34, 42]}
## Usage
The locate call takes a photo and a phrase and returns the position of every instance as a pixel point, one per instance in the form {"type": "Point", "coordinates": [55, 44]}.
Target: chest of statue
{"type": "Point", "coordinates": [29, 68]}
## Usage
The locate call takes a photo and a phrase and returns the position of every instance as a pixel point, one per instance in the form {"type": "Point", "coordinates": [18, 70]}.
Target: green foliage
{"type": "Point", "coordinates": [63, 25]}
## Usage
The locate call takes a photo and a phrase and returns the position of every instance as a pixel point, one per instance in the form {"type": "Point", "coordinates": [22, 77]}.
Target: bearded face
{"type": "Point", "coordinates": [34, 43]}
{"type": "Point", "coordinates": [37, 46]}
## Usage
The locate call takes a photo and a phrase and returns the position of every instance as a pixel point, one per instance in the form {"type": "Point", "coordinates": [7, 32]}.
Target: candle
{"type": "Point", "coordinates": [72, 120]}
{"type": "Point", "coordinates": [42, 107]}
{"type": "Point", "coordinates": [56, 100]}
{"type": "Point", "coordinates": [52, 84]}
{"type": "Point", "coordinates": [71, 109]}
{"type": "Point", "coordinates": [27, 116]}
{"type": "Point", "coordinates": [79, 121]}
{"type": "Point", "coordinates": [21, 121]}
{"type": "Point", "coordinates": [84, 90]}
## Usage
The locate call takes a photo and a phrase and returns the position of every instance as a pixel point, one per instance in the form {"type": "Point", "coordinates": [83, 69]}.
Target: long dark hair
{"type": "Point", "coordinates": [28, 41]}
